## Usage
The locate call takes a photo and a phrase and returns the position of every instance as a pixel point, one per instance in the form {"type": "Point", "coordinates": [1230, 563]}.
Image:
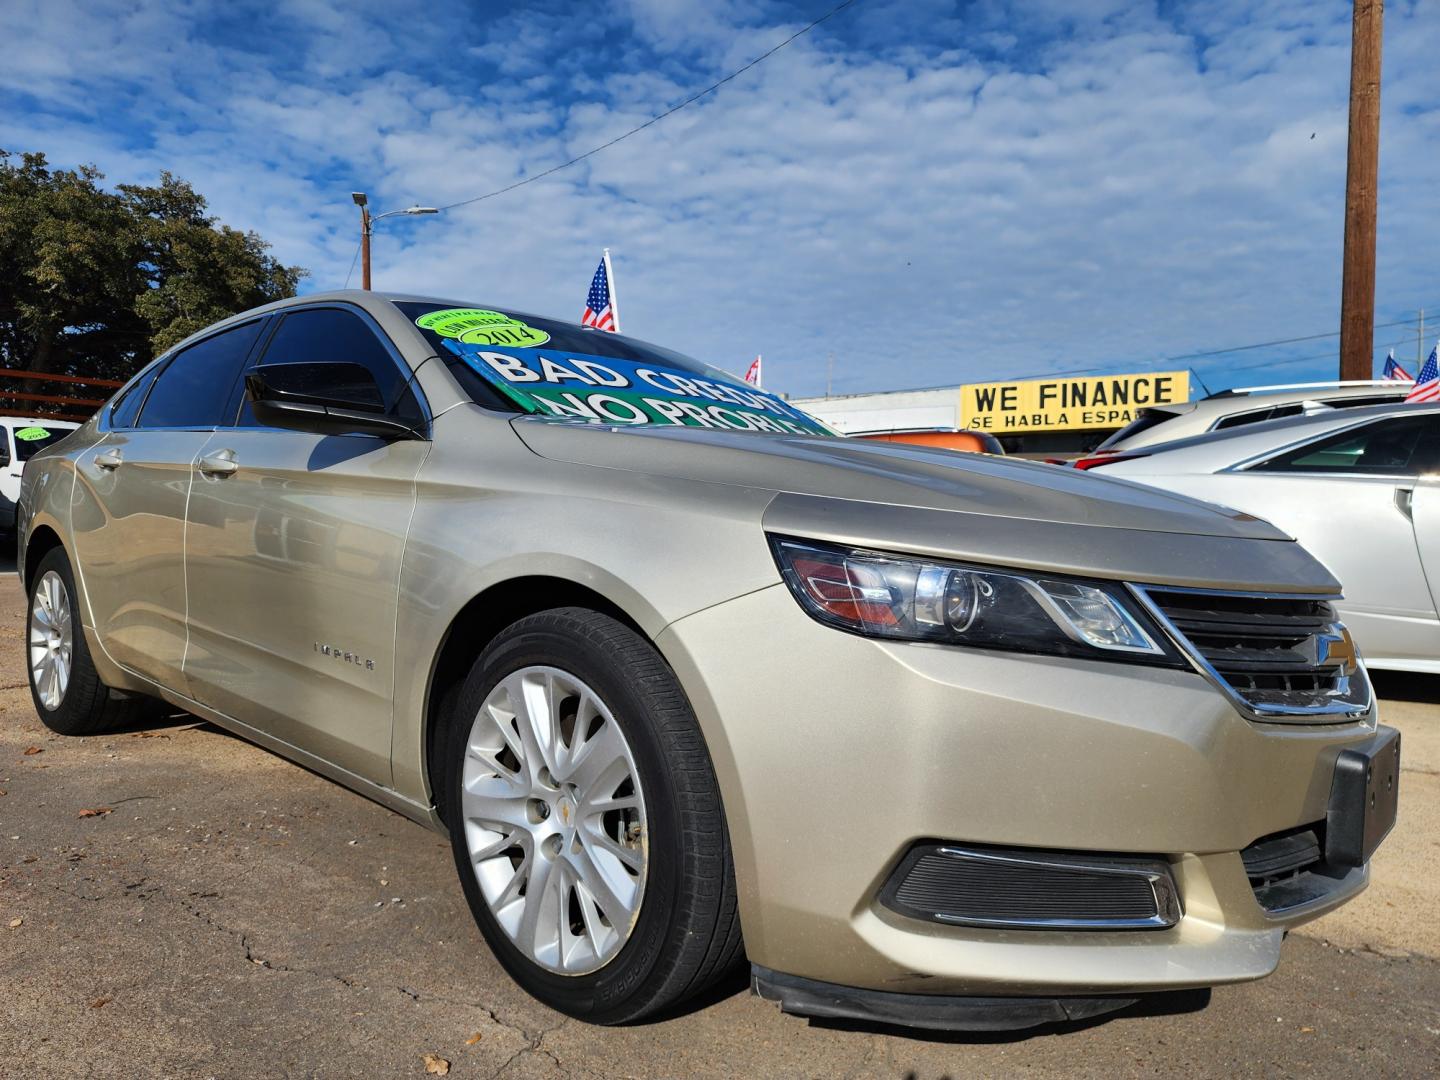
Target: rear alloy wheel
{"type": "Point", "coordinates": [64, 685]}
{"type": "Point", "coordinates": [586, 820]}
{"type": "Point", "coordinates": [52, 639]}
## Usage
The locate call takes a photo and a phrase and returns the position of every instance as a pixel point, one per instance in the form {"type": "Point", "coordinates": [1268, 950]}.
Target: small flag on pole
{"type": "Point", "coordinates": [602, 311]}
{"type": "Point", "coordinates": [752, 375]}
{"type": "Point", "coordinates": [1427, 386]}
{"type": "Point", "coordinates": [1394, 372]}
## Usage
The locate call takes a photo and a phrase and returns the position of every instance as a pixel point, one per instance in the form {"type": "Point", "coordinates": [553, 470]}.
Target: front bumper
{"type": "Point", "coordinates": [836, 754]}
{"type": "Point", "coordinates": [806, 997]}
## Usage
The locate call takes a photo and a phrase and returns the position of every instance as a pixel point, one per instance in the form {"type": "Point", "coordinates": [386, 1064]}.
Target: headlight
{"type": "Point", "coordinates": [910, 599]}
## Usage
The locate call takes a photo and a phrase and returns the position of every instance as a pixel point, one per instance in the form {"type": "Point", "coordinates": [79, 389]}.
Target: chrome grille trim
{"type": "Point", "coordinates": [1294, 668]}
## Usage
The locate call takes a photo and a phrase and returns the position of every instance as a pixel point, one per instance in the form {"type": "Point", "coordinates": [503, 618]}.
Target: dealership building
{"type": "Point", "coordinates": [1034, 417]}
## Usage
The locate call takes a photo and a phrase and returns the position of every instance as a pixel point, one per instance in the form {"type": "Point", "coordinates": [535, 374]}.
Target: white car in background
{"type": "Point", "coordinates": [21, 437]}
{"type": "Point", "coordinates": [1359, 488]}
{"type": "Point", "coordinates": [1247, 405]}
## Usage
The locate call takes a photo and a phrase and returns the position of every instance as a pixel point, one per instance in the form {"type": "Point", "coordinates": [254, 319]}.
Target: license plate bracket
{"type": "Point", "coordinates": [1364, 797]}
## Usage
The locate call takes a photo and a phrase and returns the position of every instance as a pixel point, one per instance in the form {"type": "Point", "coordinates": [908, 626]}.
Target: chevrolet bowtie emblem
{"type": "Point", "coordinates": [1336, 647]}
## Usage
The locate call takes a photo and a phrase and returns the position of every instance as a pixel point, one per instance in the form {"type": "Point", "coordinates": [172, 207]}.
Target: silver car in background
{"type": "Point", "coordinates": [958, 741]}
{"type": "Point", "coordinates": [1360, 488]}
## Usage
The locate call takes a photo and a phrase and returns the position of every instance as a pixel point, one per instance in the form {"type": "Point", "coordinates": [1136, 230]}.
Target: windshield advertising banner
{"type": "Point", "coordinates": [602, 388]}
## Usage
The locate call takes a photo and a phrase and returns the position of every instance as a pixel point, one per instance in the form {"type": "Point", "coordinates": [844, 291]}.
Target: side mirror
{"type": "Point", "coordinates": [326, 399]}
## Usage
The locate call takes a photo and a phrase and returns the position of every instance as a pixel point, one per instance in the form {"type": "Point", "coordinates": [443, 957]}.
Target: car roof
{"type": "Point", "coordinates": [1227, 403]}
{"type": "Point", "coordinates": [1291, 428]}
{"type": "Point", "coordinates": [376, 303]}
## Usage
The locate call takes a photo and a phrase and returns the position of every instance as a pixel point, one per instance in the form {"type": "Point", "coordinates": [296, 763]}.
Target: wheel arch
{"type": "Point", "coordinates": [42, 540]}
{"type": "Point", "coordinates": [477, 623]}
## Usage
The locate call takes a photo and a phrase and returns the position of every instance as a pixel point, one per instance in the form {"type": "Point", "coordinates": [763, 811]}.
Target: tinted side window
{"type": "Point", "coordinates": [1360, 402]}
{"type": "Point", "coordinates": [333, 335]}
{"type": "Point", "coordinates": [127, 406]}
{"type": "Point", "coordinates": [1398, 446]}
{"type": "Point", "coordinates": [1241, 419]}
{"type": "Point", "coordinates": [193, 388]}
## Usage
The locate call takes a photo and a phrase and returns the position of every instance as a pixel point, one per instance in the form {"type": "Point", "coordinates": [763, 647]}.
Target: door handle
{"type": "Point", "coordinates": [220, 463]}
{"type": "Point", "coordinates": [1404, 502]}
{"type": "Point", "coordinates": [109, 459]}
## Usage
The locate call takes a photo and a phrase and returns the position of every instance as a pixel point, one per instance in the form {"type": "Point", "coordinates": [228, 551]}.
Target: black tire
{"type": "Point", "coordinates": [687, 934]}
{"type": "Point", "coordinates": [88, 706]}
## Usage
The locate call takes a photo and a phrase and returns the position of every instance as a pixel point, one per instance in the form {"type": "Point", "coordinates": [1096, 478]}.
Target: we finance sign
{"type": "Point", "coordinates": [1110, 401]}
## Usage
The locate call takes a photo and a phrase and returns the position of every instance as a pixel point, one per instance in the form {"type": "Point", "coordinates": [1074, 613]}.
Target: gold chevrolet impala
{"type": "Point", "coordinates": [951, 741]}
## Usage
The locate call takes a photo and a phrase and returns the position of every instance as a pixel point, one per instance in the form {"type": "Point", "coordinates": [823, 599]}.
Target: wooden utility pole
{"type": "Point", "coordinates": [1357, 289]}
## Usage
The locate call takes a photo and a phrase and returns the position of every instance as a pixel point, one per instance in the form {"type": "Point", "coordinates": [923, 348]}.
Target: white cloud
{"type": "Point", "coordinates": [932, 194]}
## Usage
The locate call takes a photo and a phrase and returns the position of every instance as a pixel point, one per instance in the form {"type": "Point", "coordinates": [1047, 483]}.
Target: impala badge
{"type": "Point", "coordinates": [344, 656]}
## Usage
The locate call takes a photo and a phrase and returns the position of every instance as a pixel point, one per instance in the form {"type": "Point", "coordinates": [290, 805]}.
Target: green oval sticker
{"type": "Point", "coordinates": [476, 326]}
{"type": "Point", "coordinates": [30, 434]}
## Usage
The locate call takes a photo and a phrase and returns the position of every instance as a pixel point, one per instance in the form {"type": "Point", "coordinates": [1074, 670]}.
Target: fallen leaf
{"type": "Point", "coordinates": [17, 922]}
{"type": "Point", "coordinates": [435, 1064]}
{"type": "Point", "coordinates": [29, 750]}
{"type": "Point", "coordinates": [1307, 1031]}
{"type": "Point", "coordinates": [99, 811]}
{"type": "Point", "coordinates": [473, 1039]}
{"type": "Point", "coordinates": [100, 1003]}
{"type": "Point", "coordinates": [2, 793]}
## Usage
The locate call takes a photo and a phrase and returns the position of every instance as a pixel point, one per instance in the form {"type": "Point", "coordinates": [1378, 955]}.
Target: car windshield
{"type": "Point", "coordinates": [525, 363]}
{"type": "Point", "coordinates": [30, 439]}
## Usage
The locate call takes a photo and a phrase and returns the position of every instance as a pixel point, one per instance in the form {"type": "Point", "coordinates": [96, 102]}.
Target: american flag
{"type": "Point", "coordinates": [1427, 386]}
{"type": "Point", "coordinates": [1394, 372]}
{"type": "Point", "coordinates": [599, 304]}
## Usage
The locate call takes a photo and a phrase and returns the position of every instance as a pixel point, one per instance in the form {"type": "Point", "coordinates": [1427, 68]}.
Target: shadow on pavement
{"type": "Point", "coordinates": [1407, 686]}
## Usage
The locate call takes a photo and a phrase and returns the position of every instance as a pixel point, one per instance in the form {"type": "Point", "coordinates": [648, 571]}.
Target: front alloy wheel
{"type": "Point", "coordinates": [52, 640]}
{"type": "Point", "coordinates": [585, 819]}
{"type": "Point", "coordinates": [554, 819]}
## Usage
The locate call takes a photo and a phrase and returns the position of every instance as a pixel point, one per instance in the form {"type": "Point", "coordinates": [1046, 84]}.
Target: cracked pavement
{"type": "Point", "coordinates": [234, 915]}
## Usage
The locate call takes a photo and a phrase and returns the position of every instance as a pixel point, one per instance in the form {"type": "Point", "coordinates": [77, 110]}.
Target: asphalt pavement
{"type": "Point", "coordinates": [177, 902]}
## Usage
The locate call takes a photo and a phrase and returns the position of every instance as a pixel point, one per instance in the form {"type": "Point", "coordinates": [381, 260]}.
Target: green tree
{"type": "Point", "coordinates": [96, 282]}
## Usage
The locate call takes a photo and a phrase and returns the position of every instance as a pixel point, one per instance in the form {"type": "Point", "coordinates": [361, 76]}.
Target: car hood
{"type": "Point", "coordinates": [888, 473]}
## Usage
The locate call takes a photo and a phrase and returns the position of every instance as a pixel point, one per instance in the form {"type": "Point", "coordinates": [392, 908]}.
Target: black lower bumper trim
{"type": "Point", "coordinates": [806, 997]}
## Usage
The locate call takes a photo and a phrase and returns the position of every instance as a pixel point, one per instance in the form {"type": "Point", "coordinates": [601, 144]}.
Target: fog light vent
{"type": "Point", "coordinates": [1017, 888]}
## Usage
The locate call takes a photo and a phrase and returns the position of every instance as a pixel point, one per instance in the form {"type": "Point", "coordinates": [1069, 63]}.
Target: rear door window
{"type": "Point", "coordinates": [126, 406]}
{"type": "Point", "coordinates": [1395, 446]}
{"type": "Point", "coordinates": [194, 387]}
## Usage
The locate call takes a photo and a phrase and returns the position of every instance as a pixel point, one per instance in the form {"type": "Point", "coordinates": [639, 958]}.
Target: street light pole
{"type": "Point", "coordinates": [362, 201]}
{"type": "Point", "coordinates": [367, 227]}
{"type": "Point", "coordinates": [1357, 288]}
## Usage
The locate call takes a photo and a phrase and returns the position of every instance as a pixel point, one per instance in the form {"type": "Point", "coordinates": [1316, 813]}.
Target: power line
{"type": "Point", "coordinates": [353, 262]}
{"type": "Point", "coordinates": [658, 117]}
{"type": "Point", "coordinates": [1281, 341]}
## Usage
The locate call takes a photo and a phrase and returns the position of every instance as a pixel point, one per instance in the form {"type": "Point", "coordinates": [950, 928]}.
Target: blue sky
{"type": "Point", "coordinates": [936, 192]}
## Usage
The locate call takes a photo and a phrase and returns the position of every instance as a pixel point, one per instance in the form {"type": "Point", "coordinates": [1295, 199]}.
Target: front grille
{"type": "Point", "coordinates": [1285, 657]}
{"type": "Point", "coordinates": [1025, 889]}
